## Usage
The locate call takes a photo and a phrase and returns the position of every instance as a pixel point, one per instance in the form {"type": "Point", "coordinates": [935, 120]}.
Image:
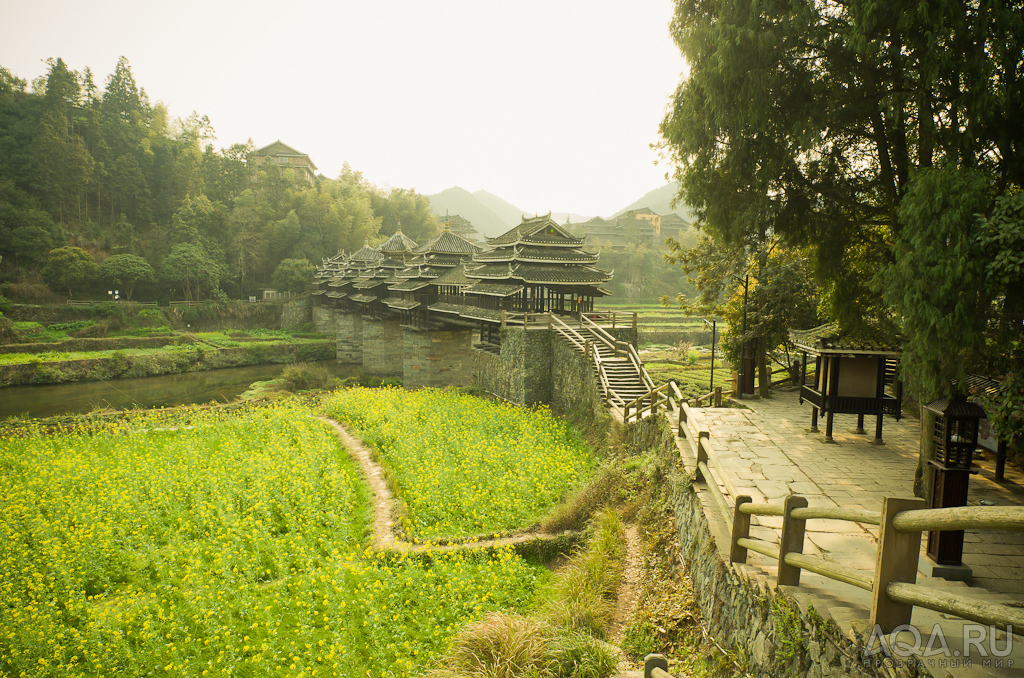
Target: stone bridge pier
{"type": "Point", "coordinates": [437, 358]}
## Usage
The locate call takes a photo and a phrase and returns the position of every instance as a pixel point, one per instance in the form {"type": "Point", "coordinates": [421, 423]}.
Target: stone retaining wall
{"type": "Point", "coordinates": [323, 320]}
{"type": "Point", "coordinates": [297, 311]}
{"type": "Point", "coordinates": [770, 632]}
{"type": "Point", "coordinates": [195, 359]}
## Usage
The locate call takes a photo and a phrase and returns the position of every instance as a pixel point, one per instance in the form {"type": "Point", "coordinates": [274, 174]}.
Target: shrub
{"type": "Point", "coordinates": [585, 588]}
{"type": "Point", "coordinates": [307, 377]}
{"type": "Point", "coordinates": [576, 510]}
{"type": "Point", "coordinates": [515, 646]}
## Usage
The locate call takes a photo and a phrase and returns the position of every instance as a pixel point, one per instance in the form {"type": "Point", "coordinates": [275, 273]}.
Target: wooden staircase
{"type": "Point", "coordinates": [623, 381]}
{"type": "Point", "coordinates": [620, 375]}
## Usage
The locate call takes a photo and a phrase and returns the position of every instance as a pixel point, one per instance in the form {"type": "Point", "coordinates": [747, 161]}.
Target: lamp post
{"type": "Point", "coordinates": [714, 335]}
{"type": "Point", "coordinates": [114, 294]}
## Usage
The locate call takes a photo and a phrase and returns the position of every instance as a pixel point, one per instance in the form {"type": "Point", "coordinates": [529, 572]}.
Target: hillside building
{"type": "Point", "coordinates": [283, 157]}
{"type": "Point", "coordinates": [635, 227]}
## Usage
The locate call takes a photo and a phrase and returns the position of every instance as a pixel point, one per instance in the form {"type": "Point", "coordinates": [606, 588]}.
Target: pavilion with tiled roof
{"type": "Point", "coordinates": [371, 288]}
{"type": "Point", "coordinates": [853, 375]}
{"type": "Point", "coordinates": [536, 267]}
{"type": "Point", "coordinates": [436, 269]}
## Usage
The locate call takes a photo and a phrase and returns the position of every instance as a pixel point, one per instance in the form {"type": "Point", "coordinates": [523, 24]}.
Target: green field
{"type": "Point", "coordinates": [224, 543]}
{"type": "Point", "coordinates": [694, 378]}
{"type": "Point", "coordinates": [464, 466]}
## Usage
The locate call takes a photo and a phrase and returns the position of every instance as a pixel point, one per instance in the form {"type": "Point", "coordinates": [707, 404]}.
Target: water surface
{"type": "Point", "coordinates": [166, 390]}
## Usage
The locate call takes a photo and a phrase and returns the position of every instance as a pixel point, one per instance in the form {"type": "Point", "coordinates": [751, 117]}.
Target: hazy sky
{"type": "Point", "coordinates": [549, 104]}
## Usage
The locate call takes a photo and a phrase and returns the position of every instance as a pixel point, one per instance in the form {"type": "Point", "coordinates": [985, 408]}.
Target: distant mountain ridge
{"type": "Point", "coordinates": [459, 201]}
{"type": "Point", "coordinates": [492, 216]}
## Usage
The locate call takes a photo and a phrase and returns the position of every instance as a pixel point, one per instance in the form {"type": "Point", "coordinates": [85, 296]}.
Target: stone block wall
{"type": "Point", "coordinates": [323, 320]}
{"type": "Point", "coordinates": [490, 374]}
{"type": "Point", "coordinates": [437, 358]}
{"type": "Point", "coordinates": [522, 373]}
{"type": "Point", "coordinates": [574, 391]}
{"type": "Point", "coordinates": [349, 335]}
{"type": "Point", "coordinates": [297, 311]}
{"type": "Point", "coordinates": [382, 347]}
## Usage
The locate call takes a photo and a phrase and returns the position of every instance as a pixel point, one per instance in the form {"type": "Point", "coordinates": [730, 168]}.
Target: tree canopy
{"type": "Point", "coordinates": [846, 130]}
{"type": "Point", "coordinates": [106, 170]}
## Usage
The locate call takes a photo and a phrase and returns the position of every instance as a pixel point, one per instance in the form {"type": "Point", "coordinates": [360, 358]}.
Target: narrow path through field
{"type": "Point", "coordinates": [384, 506]}
{"type": "Point", "coordinates": [629, 590]}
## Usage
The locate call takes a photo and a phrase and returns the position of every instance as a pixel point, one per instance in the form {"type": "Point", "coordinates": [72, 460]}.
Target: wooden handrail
{"type": "Point", "coordinates": [993, 614]}
{"type": "Point", "coordinates": [607, 339]}
{"type": "Point", "coordinates": [894, 593]}
{"type": "Point", "coordinates": [961, 518]}
{"type": "Point", "coordinates": [758, 546]}
{"type": "Point", "coordinates": [763, 509]}
{"type": "Point", "coordinates": [839, 513]}
{"type": "Point", "coordinates": [569, 333]}
{"type": "Point", "coordinates": [831, 570]}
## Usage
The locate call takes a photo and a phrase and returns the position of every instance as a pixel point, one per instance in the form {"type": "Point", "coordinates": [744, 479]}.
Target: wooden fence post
{"type": "Point", "coordinates": [740, 530]}
{"type": "Point", "coordinates": [702, 455]}
{"type": "Point", "coordinates": [735, 385]}
{"type": "Point", "coordinates": [896, 561]}
{"type": "Point", "coordinates": [502, 317]}
{"type": "Point", "coordinates": [634, 324]}
{"type": "Point", "coordinates": [718, 396]}
{"type": "Point", "coordinates": [792, 540]}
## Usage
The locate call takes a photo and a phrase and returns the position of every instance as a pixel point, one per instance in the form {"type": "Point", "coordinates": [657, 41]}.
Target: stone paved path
{"type": "Point", "coordinates": [768, 451]}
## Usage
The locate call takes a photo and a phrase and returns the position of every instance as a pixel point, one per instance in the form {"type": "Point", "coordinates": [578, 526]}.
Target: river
{"type": "Point", "coordinates": [163, 391]}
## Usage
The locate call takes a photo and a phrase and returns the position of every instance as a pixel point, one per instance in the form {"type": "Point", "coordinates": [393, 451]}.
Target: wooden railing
{"type": "Point", "coordinates": [527, 320]}
{"type": "Point", "coordinates": [895, 592]}
{"type": "Point", "coordinates": [611, 398]}
{"type": "Point", "coordinates": [612, 318]}
{"type": "Point", "coordinates": [573, 337]}
{"type": "Point", "coordinates": [599, 332]}
{"type": "Point", "coordinates": [80, 302]}
{"type": "Point", "coordinates": [656, 399]}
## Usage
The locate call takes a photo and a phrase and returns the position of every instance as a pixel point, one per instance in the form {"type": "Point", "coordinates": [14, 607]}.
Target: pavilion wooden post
{"type": "Point", "coordinates": [791, 541]}
{"type": "Point", "coordinates": [896, 562]}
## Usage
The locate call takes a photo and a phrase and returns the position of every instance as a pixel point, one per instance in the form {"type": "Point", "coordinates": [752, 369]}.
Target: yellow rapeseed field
{"type": "Point", "coordinates": [218, 544]}
{"type": "Point", "coordinates": [463, 465]}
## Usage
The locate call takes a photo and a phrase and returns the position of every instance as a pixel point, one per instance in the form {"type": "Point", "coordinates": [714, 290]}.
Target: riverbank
{"type": "Point", "coordinates": [104, 341]}
{"type": "Point", "coordinates": [47, 368]}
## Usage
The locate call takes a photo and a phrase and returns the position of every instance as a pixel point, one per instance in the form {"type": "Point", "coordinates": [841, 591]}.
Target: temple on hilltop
{"type": "Point", "coordinates": [283, 157]}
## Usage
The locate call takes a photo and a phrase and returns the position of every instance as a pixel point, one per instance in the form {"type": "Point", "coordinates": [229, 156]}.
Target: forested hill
{"type": "Point", "coordinates": [124, 192]}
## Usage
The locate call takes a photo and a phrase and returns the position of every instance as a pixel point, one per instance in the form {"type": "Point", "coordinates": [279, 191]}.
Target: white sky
{"type": "Point", "coordinates": [549, 104]}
